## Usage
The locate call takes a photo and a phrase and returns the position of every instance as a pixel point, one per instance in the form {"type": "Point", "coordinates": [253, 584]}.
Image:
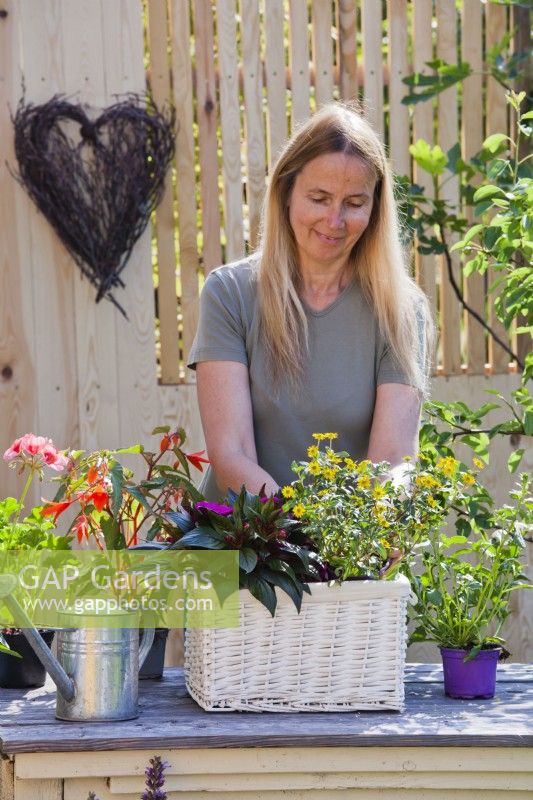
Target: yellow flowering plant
{"type": "Point", "coordinates": [362, 521]}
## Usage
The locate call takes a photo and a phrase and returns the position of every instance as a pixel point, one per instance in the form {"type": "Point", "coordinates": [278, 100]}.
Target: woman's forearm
{"type": "Point", "coordinates": [234, 471]}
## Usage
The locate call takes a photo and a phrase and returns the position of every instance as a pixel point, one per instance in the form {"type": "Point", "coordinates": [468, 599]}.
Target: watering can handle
{"type": "Point", "coordinates": [41, 649]}
{"type": "Point", "coordinates": [147, 641]}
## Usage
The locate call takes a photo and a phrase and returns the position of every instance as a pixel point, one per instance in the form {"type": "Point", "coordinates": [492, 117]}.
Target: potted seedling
{"type": "Point", "coordinates": [464, 587]}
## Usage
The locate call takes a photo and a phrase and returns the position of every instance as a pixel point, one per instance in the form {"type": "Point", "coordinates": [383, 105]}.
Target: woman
{"type": "Point", "coordinates": [322, 329]}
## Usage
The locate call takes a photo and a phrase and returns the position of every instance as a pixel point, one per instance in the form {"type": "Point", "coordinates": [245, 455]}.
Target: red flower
{"type": "Point", "coordinates": [165, 443]}
{"type": "Point", "coordinates": [196, 459]}
{"type": "Point", "coordinates": [56, 509]}
{"type": "Point", "coordinates": [98, 497]}
{"type": "Point", "coordinates": [81, 526]}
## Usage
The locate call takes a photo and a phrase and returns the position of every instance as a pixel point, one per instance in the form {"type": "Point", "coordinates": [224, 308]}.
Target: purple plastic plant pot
{"type": "Point", "coordinates": [469, 679]}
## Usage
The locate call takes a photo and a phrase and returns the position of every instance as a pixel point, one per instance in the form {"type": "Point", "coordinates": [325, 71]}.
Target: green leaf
{"type": "Point", "coordinates": [113, 536]}
{"type": "Point", "coordinates": [513, 462]}
{"type": "Point", "coordinates": [528, 423]}
{"type": "Point", "coordinates": [493, 143]}
{"type": "Point", "coordinates": [486, 192]}
{"type": "Point", "coordinates": [203, 539]}
{"type": "Point", "coordinates": [117, 484]}
{"type": "Point", "coordinates": [138, 495]}
{"type": "Point", "coordinates": [293, 590]}
{"type": "Point", "coordinates": [247, 559]}
{"type": "Point", "coordinates": [263, 592]}
{"type": "Point", "coordinates": [160, 429]}
{"type": "Point", "coordinates": [432, 159]}
{"type": "Point", "coordinates": [135, 448]}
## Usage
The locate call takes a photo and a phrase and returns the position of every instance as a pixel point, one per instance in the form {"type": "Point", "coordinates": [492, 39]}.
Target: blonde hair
{"type": "Point", "coordinates": [377, 260]}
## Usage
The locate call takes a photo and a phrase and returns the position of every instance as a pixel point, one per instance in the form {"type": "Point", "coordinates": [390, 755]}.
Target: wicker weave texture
{"type": "Point", "coordinates": [345, 651]}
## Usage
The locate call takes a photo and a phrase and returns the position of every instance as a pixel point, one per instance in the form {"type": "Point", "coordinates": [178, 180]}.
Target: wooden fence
{"type": "Point", "coordinates": [241, 75]}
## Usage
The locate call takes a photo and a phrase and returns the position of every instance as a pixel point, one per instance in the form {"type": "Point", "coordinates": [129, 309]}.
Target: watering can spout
{"type": "Point", "coordinates": [64, 684]}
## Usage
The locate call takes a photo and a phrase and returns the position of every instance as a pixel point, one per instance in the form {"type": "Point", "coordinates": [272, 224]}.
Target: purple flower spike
{"type": "Point", "coordinates": [155, 779]}
{"type": "Point", "coordinates": [217, 509]}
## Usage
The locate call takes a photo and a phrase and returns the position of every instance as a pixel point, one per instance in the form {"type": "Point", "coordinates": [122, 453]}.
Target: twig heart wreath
{"type": "Point", "coordinates": [96, 182]}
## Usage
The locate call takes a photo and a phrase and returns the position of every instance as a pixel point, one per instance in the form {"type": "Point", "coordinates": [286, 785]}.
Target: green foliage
{"type": "Point", "coordinates": [466, 580]}
{"type": "Point", "coordinates": [273, 552]}
{"type": "Point", "coordinates": [33, 532]}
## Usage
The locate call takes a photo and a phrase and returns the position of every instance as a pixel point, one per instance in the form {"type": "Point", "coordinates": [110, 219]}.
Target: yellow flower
{"type": "Point", "coordinates": [312, 451]}
{"type": "Point", "coordinates": [432, 502]}
{"type": "Point", "coordinates": [313, 468]}
{"type": "Point", "coordinates": [332, 456]}
{"type": "Point", "coordinates": [426, 481]}
{"type": "Point", "coordinates": [350, 463]}
{"type": "Point", "coordinates": [287, 491]}
{"type": "Point", "coordinates": [363, 482]}
{"type": "Point", "coordinates": [385, 544]}
{"type": "Point", "coordinates": [329, 473]}
{"type": "Point", "coordinates": [320, 436]}
{"type": "Point", "coordinates": [378, 510]}
{"type": "Point", "coordinates": [468, 478]}
{"type": "Point", "coordinates": [478, 463]}
{"type": "Point", "coordinates": [448, 466]}
{"type": "Point", "coordinates": [299, 510]}
{"type": "Point", "coordinates": [331, 435]}
{"type": "Point", "coordinates": [378, 492]}
{"type": "Point", "coordinates": [407, 458]}
{"type": "Point", "coordinates": [362, 466]}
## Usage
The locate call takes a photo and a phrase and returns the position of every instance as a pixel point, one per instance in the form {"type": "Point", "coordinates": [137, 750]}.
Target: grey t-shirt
{"type": "Point", "coordinates": [348, 359]}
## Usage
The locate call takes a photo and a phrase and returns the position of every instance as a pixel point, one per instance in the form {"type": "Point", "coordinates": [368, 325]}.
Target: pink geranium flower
{"type": "Point", "coordinates": [31, 446]}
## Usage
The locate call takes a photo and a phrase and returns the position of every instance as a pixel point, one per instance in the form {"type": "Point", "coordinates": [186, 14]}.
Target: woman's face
{"type": "Point", "coordinates": [329, 208]}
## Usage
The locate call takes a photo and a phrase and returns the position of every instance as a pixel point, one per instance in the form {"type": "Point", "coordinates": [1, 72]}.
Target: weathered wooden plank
{"type": "Point", "coordinates": [275, 79]}
{"type": "Point", "coordinates": [38, 789]}
{"type": "Point", "coordinates": [185, 178]}
{"type": "Point", "coordinates": [451, 312]}
{"type": "Point", "coordinates": [398, 69]}
{"type": "Point", "coordinates": [6, 778]}
{"type": "Point", "coordinates": [472, 138]}
{"type": "Point", "coordinates": [207, 133]}
{"type": "Point", "coordinates": [166, 252]}
{"type": "Point", "coordinates": [231, 128]}
{"type": "Point", "coordinates": [52, 271]}
{"type": "Point", "coordinates": [255, 135]}
{"type": "Point", "coordinates": [261, 761]}
{"type": "Point", "coordinates": [79, 788]}
{"type": "Point", "coordinates": [169, 719]}
{"type": "Point", "coordinates": [322, 52]}
{"type": "Point", "coordinates": [497, 113]}
{"type": "Point", "coordinates": [347, 49]}
{"type": "Point", "coordinates": [373, 64]}
{"type": "Point", "coordinates": [18, 400]}
{"type": "Point", "coordinates": [299, 60]}
{"type": "Point", "coordinates": [425, 265]}
{"type": "Point", "coordinates": [137, 388]}
{"type": "Point", "coordinates": [96, 334]}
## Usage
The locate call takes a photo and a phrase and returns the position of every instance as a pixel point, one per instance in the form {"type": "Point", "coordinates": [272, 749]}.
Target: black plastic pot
{"type": "Point", "coordinates": [22, 673]}
{"type": "Point", "coordinates": [155, 660]}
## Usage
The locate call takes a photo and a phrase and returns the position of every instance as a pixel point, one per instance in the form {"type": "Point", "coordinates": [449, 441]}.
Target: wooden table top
{"type": "Point", "coordinates": [169, 718]}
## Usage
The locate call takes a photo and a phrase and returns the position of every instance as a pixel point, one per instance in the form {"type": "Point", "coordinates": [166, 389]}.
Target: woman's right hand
{"type": "Point", "coordinates": [226, 413]}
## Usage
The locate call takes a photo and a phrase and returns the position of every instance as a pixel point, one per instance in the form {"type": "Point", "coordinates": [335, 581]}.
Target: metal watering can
{"type": "Point", "coordinates": [97, 669]}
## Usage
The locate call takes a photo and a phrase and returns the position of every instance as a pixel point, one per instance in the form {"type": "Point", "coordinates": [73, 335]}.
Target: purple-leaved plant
{"type": "Point", "coordinates": [155, 780]}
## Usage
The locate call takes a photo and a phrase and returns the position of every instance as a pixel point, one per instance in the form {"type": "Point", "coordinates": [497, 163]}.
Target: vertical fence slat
{"type": "Point", "coordinates": [299, 61]}
{"type": "Point", "coordinates": [255, 136]}
{"type": "Point", "coordinates": [423, 129]}
{"type": "Point", "coordinates": [18, 399]}
{"type": "Point", "coordinates": [472, 136]}
{"type": "Point", "coordinates": [96, 335]}
{"type": "Point", "coordinates": [398, 68]}
{"type": "Point", "coordinates": [373, 64]}
{"type": "Point", "coordinates": [348, 49]}
{"type": "Point", "coordinates": [167, 300]}
{"type": "Point", "coordinates": [496, 25]}
{"type": "Point", "coordinates": [185, 178]}
{"type": "Point", "coordinates": [138, 398]}
{"type": "Point", "coordinates": [275, 78]}
{"type": "Point", "coordinates": [52, 272]}
{"type": "Point", "coordinates": [448, 137]}
{"type": "Point", "coordinates": [231, 128]}
{"type": "Point", "coordinates": [207, 132]}
{"type": "Point", "coordinates": [322, 52]}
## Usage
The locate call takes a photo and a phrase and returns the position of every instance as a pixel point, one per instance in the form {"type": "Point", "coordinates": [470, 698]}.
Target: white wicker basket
{"type": "Point", "coordinates": [345, 651]}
